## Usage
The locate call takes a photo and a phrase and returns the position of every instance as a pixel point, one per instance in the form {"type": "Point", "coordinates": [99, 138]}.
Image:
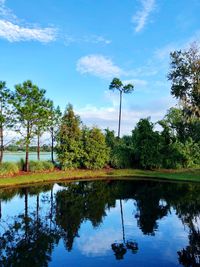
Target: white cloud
{"type": "Point", "coordinates": [92, 39]}
{"type": "Point", "coordinates": [98, 244]}
{"type": "Point", "coordinates": [99, 66]}
{"type": "Point", "coordinates": [6, 12]}
{"type": "Point", "coordinates": [12, 30]}
{"type": "Point", "coordinates": [105, 117]}
{"type": "Point", "coordinates": [141, 17]}
{"type": "Point", "coordinates": [96, 39]}
{"type": "Point", "coordinates": [16, 33]}
{"type": "Point", "coordinates": [136, 82]}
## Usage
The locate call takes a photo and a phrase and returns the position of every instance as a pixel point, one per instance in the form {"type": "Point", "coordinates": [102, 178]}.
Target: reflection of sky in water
{"type": "Point", "coordinates": [97, 242]}
{"type": "Point", "coordinates": [93, 246]}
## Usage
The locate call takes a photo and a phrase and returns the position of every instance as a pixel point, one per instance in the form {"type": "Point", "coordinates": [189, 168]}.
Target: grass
{"type": "Point", "coordinates": [69, 175]}
{"type": "Point", "coordinates": [8, 168]}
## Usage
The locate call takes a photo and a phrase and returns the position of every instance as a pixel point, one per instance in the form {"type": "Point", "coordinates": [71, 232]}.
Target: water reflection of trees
{"type": "Point", "coordinates": [34, 233]}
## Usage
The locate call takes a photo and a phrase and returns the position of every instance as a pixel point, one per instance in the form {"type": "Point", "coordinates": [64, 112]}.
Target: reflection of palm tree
{"type": "Point", "coordinates": [120, 249]}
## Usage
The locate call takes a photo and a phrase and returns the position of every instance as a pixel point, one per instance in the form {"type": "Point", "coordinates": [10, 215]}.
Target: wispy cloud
{"type": "Point", "coordinates": [136, 82]}
{"type": "Point", "coordinates": [92, 39]}
{"type": "Point", "coordinates": [163, 53]}
{"type": "Point", "coordinates": [99, 66]}
{"type": "Point", "coordinates": [103, 67]}
{"type": "Point", "coordinates": [141, 17]}
{"type": "Point", "coordinates": [14, 31]}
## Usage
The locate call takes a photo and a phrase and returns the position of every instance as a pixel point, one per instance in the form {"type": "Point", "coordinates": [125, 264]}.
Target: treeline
{"type": "Point", "coordinates": [28, 112]}
{"type": "Point", "coordinates": [177, 145]}
{"type": "Point", "coordinates": [20, 148]}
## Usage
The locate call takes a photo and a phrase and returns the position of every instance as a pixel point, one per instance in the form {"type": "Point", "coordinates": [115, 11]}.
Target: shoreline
{"type": "Point", "coordinates": [23, 179]}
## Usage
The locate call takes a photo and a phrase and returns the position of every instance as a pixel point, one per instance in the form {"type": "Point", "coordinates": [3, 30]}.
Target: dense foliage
{"type": "Point", "coordinates": [175, 145]}
{"type": "Point", "coordinates": [69, 146]}
{"type": "Point", "coordinates": [77, 147]}
{"type": "Point", "coordinates": [95, 150]}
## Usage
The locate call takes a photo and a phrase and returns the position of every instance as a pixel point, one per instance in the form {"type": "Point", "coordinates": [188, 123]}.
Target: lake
{"type": "Point", "coordinates": [101, 223]}
{"type": "Point", "coordinates": [16, 156]}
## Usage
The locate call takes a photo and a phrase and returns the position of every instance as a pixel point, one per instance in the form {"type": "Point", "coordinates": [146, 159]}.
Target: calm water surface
{"type": "Point", "coordinates": [16, 156]}
{"type": "Point", "coordinates": [101, 223]}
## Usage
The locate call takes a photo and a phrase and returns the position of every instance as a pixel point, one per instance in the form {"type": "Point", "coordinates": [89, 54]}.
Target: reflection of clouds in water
{"type": "Point", "coordinates": [196, 223]}
{"type": "Point", "coordinates": [99, 243]}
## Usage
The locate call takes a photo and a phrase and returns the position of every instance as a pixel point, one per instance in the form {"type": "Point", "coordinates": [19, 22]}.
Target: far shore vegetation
{"type": "Point", "coordinates": [173, 152]}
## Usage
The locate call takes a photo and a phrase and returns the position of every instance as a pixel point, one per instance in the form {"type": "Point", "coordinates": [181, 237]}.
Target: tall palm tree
{"type": "Point", "coordinates": [116, 84]}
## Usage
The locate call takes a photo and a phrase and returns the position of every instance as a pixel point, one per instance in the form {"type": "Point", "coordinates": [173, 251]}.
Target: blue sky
{"type": "Point", "coordinates": [73, 49]}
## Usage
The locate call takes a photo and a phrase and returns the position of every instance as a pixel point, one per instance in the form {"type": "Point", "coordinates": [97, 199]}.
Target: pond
{"type": "Point", "coordinates": [17, 156]}
{"type": "Point", "coordinates": [101, 223]}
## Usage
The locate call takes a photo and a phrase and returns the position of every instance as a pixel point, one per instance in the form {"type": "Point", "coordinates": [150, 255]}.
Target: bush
{"type": "Point", "coordinates": [48, 165]}
{"type": "Point", "coordinates": [36, 166]}
{"type": "Point", "coordinates": [21, 164]}
{"type": "Point", "coordinates": [8, 168]}
{"type": "Point", "coordinates": [122, 156]}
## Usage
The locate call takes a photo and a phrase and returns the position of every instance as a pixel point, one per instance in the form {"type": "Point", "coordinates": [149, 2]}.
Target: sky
{"type": "Point", "coordinates": [74, 48]}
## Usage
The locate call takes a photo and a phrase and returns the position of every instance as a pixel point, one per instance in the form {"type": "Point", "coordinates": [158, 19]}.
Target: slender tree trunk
{"type": "Point", "coordinates": [52, 145]}
{"type": "Point", "coordinates": [1, 143]}
{"type": "Point", "coordinates": [120, 113]}
{"type": "Point", "coordinates": [27, 149]}
{"type": "Point", "coordinates": [26, 203]}
{"type": "Point", "coordinates": [26, 213]}
{"type": "Point", "coordinates": [51, 208]}
{"type": "Point", "coordinates": [38, 147]}
{"type": "Point", "coordinates": [122, 218]}
{"type": "Point", "coordinates": [37, 208]}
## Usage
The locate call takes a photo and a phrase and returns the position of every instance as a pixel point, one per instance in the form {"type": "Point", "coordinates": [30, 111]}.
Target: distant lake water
{"type": "Point", "coordinates": [101, 223]}
{"type": "Point", "coordinates": [16, 156]}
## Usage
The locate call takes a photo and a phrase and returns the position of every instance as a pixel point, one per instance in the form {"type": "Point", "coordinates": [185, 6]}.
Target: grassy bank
{"type": "Point", "coordinates": [31, 178]}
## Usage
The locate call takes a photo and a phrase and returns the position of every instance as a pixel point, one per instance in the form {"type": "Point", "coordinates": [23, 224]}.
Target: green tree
{"type": "Point", "coordinates": [185, 78]}
{"type": "Point", "coordinates": [69, 150]}
{"type": "Point", "coordinates": [146, 144]}
{"type": "Point", "coordinates": [116, 84]}
{"type": "Point", "coordinates": [28, 102]}
{"type": "Point", "coordinates": [42, 122]}
{"type": "Point", "coordinates": [96, 152]}
{"type": "Point", "coordinates": [54, 123]}
{"type": "Point", "coordinates": [5, 118]}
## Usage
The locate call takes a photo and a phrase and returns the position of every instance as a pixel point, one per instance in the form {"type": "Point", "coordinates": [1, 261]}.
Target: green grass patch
{"type": "Point", "coordinates": [70, 175]}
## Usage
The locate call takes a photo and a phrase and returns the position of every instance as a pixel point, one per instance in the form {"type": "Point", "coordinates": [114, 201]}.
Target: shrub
{"type": "Point", "coordinates": [21, 164]}
{"type": "Point", "coordinates": [8, 168]}
{"type": "Point", "coordinates": [122, 156]}
{"type": "Point", "coordinates": [36, 166]}
{"type": "Point", "coordinates": [48, 165]}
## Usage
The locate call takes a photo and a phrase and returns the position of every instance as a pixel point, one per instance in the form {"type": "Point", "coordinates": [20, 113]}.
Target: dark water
{"type": "Point", "coordinates": [101, 223]}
